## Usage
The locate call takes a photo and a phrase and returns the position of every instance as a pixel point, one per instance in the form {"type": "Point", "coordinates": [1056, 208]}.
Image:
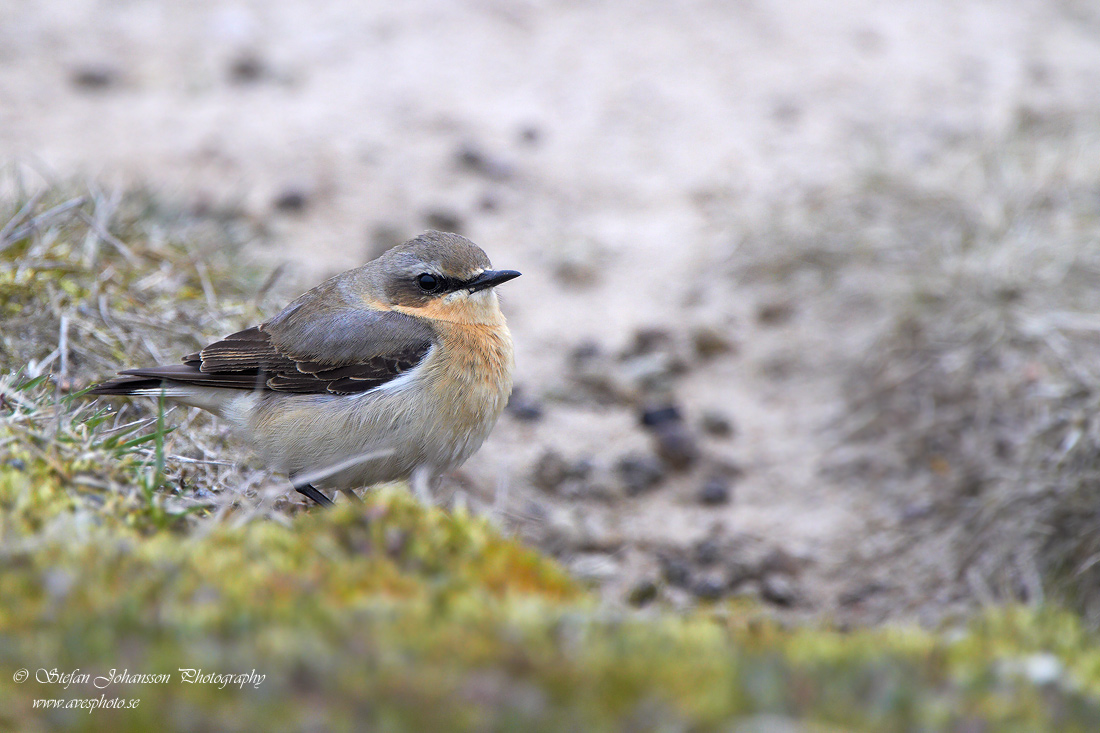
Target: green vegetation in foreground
{"type": "Point", "coordinates": [391, 616]}
{"type": "Point", "coordinates": [387, 616]}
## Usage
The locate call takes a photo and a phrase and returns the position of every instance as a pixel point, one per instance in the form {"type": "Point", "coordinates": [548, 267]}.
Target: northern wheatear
{"type": "Point", "coordinates": [396, 369]}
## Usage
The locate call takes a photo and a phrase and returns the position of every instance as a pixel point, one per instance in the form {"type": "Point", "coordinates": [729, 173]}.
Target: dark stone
{"type": "Point", "coordinates": [710, 342]}
{"type": "Point", "coordinates": [708, 589]}
{"type": "Point", "coordinates": [530, 135]}
{"type": "Point", "coordinates": [642, 594]}
{"type": "Point", "coordinates": [741, 573]}
{"type": "Point", "coordinates": [861, 593]}
{"type": "Point", "coordinates": [707, 552]}
{"type": "Point", "coordinates": [774, 314]}
{"type": "Point", "coordinates": [716, 491]}
{"type": "Point", "coordinates": [95, 77]}
{"type": "Point", "coordinates": [648, 340]}
{"type": "Point", "coordinates": [675, 571]}
{"type": "Point", "coordinates": [778, 589]}
{"type": "Point", "coordinates": [716, 424]}
{"type": "Point", "coordinates": [661, 414]}
{"type": "Point", "coordinates": [522, 408]}
{"type": "Point", "coordinates": [676, 445]}
{"type": "Point", "coordinates": [780, 561]}
{"type": "Point", "coordinates": [589, 490]}
{"type": "Point", "coordinates": [787, 111]}
{"type": "Point", "coordinates": [639, 473]}
{"type": "Point", "coordinates": [550, 471]}
{"type": "Point", "coordinates": [585, 351]}
{"type": "Point", "coordinates": [472, 158]}
{"type": "Point", "coordinates": [727, 470]}
{"type": "Point", "coordinates": [291, 199]}
{"type": "Point", "coordinates": [594, 377]}
{"type": "Point", "coordinates": [247, 69]}
{"type": "Point", "coordinates": [488, 203]}
{"type": "Point", "coordinates": [527, 412]}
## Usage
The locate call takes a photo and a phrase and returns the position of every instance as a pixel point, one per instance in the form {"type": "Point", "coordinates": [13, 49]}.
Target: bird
{"type": "Point", "coordinates": [394, 370]}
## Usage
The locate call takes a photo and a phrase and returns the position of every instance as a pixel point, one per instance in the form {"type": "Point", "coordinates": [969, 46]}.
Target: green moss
{"type": "Point", "coordinates": [396, 616]}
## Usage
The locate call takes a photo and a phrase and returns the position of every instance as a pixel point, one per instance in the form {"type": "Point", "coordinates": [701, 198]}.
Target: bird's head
{"type": "Point", "coordinates": [440, 276]}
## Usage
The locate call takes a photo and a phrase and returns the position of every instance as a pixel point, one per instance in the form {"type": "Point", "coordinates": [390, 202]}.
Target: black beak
{"type": "Point", "coordinates": [489, 278]}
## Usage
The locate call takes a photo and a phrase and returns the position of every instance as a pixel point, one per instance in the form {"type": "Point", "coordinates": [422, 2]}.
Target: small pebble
{"type": "Point", "coordinates": [778, 589]}
{"type": "Point", "coordinates": [578, 264]}
{"type": "Point", "coordinates": [786, 110]}
{"type": "Point", "coordinates": [707, 552]}
{"type": "Point", "coordinates": [550, 470]}
{"type": "Point", "coordinates": [676, 445]}
{"type": "Point", "coordinates": [649, 373]}
{"type": "Point", "coordinates": [660, 414]}
{"type": "Point", "coordinates": [676, 572]}
{"type": "Point", "coordinates": [774, 314]}
{"type": "Point", "coordinates": [469, 156]}
{"type": "Point", "coordinates": [710, 342]}
{"type": "Point", "coordinates": [642, 594]}
{"type": "Point", "coordinates": [639, 473]}
{"type": "Point", "coordinates": [779, 560]}
{"type": "Point", "coordinates": [584, 352]}
{"type": "Point", "coordinates": [590, 488]}
{"type": "Point", "coordinates": [716, 491]}
{"type": "Point", "coordinates": [291, 199]}
{"type": "Point", "coordinates": [648, 340]}
{"type": "Point", "coordinates": [708, 588]}
{"type": "Point", "coordinates": [95, 77]}
{"type": "Point", "coordinates": [594, 376]}
{"type": "Point", "coordinates": [530, 135]}
{"type": "Point", "coordinates": [861, 593]}
{"type": "Point", "coordinates": [716, 424]}
{"type": "Point", "coordinates": [522, 408]}
{"type": "Point", "coordinates": [472, 158]}
{"type": "Point", "coordinates": [247, 69]}
{"type": "Point", "coordinates": [488, 203]}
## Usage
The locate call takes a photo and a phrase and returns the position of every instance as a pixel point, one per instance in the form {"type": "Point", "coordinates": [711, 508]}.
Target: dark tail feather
{"type": "Point", "coordinates": [126, 386]}
{"type": "Point", "coordinates": [133, 380]}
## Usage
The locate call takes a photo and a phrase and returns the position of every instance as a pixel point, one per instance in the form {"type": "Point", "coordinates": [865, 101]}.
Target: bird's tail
{"type": "Point", "coordinates": [153, 380]}
{"type": "Point", "coordinates": [209, 394]}
{"type": "Point", "coordinates": [131, 386]}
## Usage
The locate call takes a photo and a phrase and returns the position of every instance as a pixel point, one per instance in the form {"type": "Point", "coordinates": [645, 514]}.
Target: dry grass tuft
{"type": "Point", "coordinates": [93, 283]}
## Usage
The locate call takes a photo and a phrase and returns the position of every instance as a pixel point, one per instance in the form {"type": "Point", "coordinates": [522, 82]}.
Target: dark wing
{"type": "Point", "coordinates": [341, 351]}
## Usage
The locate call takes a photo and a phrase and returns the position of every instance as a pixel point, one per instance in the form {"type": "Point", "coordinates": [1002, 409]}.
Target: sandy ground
{"type": "Point", "coordinates": [620, 154]}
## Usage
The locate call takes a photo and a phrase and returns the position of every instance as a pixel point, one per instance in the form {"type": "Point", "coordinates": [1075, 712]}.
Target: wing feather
{"type": "Point", "coordinates": [346, 351]}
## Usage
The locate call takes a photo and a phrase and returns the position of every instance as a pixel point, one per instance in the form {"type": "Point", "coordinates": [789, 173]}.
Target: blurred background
{"type": "Point", "coordinates": [809, 298]}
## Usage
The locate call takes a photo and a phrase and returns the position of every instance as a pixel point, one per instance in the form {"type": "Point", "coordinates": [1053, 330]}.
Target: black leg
{"type": "Point", "coordinates": [312, 493]}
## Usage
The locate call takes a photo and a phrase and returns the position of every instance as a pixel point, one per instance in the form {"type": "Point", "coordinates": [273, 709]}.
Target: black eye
{"type": "Point", "coordinates": [429, 283]}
